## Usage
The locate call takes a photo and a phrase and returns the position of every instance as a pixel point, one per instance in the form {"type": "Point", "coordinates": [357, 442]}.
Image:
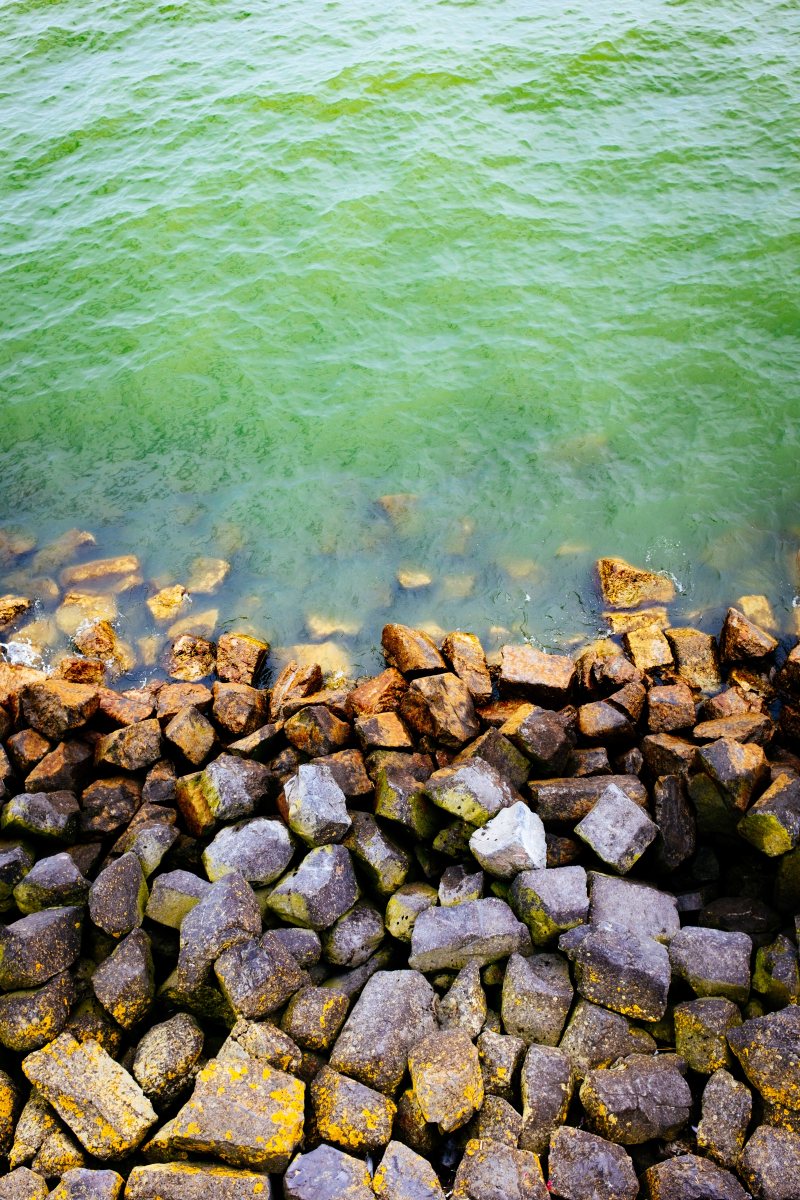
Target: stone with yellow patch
{"type": "Point", "coordinates": [349, 1114]}
{"type": "Point", "coordinates": [447, 1080]}
{"type": "Point", "coordinates": [195, 1181]}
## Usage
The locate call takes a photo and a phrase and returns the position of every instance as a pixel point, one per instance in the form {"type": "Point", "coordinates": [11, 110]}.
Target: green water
{"type": "Point", "coordinates": [536, 263]}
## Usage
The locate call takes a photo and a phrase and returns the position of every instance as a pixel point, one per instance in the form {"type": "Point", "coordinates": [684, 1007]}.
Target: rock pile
{"type": "Point", "coordinates": [451, 930]}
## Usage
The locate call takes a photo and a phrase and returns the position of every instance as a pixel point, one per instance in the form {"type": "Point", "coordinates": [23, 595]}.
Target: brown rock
{"type": "Point", "coordinates": [737, 770]}
{"type": "Point", "coordinates": [239, 708]}
{"type": "Point", "coordinates": [499, 752]}
{"type": "Point", "coordinates": [623, 622]}
{"type": "Point", "coordinates": [383, 731]}
{"type": "Point", "coordinates": [410, 650]}
{"type": "Point", "coordinates": [98, 640]}
{"type": "Point", "coordinates": [542, 736]}
{"type": "Point", "coordinates": [108, 804]}
{"type": "Point", "coordinates": [696, 660]}
{"type": "Point", "coordinates": [13, 681]}
{"type": "Point", "coordinates": [440, 707]}
{"type": "Point", "coordinates": [63, 769]}
{"type": "Point", "coordinates": [347, 768]}
{"type": "Point", "coordinates": [745, 727]}
{"type": "Point", "coordinates": [572, 799]}
{"type": "Point", "coordinates": [467, 658]}
{"type": "Point", "coordinates": [26, 749]}
{"type": "Point", "coordinates": [55, 707]}
{"type": "Point", "coordinates": [741, 639]}
{"type": "Point", "coordinates": [12, 608]}
{"type": "Point", "coordinates": [75, 669]}
{"type": "Point", "coordinates": [192, 734]}
{"type": "Point", "coordinates": [625, 586]}
{"type": "Point", "coordinates": [315, 731]}
{"type": "Point", "coordinates": [294, 681]}
{"type": "Point", "coordinates": [665, 754]}
{"type": "Point", "coordinates": [190, 658]}
{"type": "Point", "coordinates": [172, 697]}
{"type": "Point", "coordinates": [546, 678]}
{"type": "Point", "coordinates": [125, 708]}
{"type": "Point", "coordinates": [131, 748]}
{"type": "Point", "coordinates": [670, 708]}
{"type": "Point", "coordinates": [100, 568]}
{"type": "Point", "coordinates": [648, 648]}
{"type": "Point", "coordinates": [240, 657]}
{"type": "Point", "coordinates": [601, 721]}
{"type": "Point", "coordinates": [168, 603]}
{"type": "Point", "coordinates": [382, 693]}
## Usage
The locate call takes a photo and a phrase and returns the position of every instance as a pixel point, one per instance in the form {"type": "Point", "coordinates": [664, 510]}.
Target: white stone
{"type": "Point", "coordinates": [512, 841]}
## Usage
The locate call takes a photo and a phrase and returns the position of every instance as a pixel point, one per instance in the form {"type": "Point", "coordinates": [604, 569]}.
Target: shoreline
{"type": "Point", "coordinates": [430, 927]}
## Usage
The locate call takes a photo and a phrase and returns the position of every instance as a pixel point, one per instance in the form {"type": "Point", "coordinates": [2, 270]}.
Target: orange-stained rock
{"type": "Point", "coordinates": [239, 708]}
{"type": "Point", "coordinates": [696, 659]}
{"type": "Point", "coordinates": [76, 669]}
{"type": "Point", "coordinates": [192, 734]}
{"type": "Point", "coordinates": [466, 656]}
{"type": "Point", "coordinates": [12, 609]}
{"type": "Point", "coordinates": [100, 568]}
{"type": "Point", "coordinates": [625, 586]}
{"type": "Point", "coordinates": [742, 638]}
{"type": "Point", "coordinates": [167, 604]}
{"type": "Point", "coordinates": [131, 748]}
{"type": "Point", "coordinates": [382, 693]}
{"type": "Point", "coordinates": [294, 681]}
{"type": "Point", "coordinates": [240, 657]}
{"type": "Point", "coordinates": [56, 707]}
{"type": "Point", "coordinates": [125, 708]}
{"type": "Point", "coordinates": [547, 678]}
{"type": "Point", "coordinates": [190, 658]}
{"type": "Point", "coordinates": [410, 650]}
{"type": "Point", "coordinates": [172, 697]}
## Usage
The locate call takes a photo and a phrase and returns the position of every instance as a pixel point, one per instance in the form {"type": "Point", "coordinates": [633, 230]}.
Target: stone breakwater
{"type": "Point", "coordinates": [516, 929]}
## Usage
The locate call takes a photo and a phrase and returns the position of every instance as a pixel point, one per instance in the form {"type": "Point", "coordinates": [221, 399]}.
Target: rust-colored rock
{"type": "Point", "coordinates": [55, 707]}
{"type": "Point", "coordinates": [742, 639]}
{"type": "Point", "coordinates": [441, 707]}
{"type": "Point", "coordinates": [190, 658]}
{"type": "Point", "coordinates": [466, 656]}
{"type": "Point", "coordinates": [546, 678]}
{"type": "Point", "coordinates": [626, 586]}
{"type": "Point", "coordinates": [410, 650]}
{"type": "Point", "coordinates": [382, 693]}
{"type": "Point", "coordinates": [132, 748]}
{"type": "Point", "coordinates": [240, 657]}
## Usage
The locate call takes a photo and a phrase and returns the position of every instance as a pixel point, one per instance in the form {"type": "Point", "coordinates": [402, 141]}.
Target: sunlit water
{"type": "Point", "coordinates": [535, 263]}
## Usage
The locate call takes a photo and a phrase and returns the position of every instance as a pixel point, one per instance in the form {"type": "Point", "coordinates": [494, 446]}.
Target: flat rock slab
{"type": "Point", "coordinates": [244, 1113]}
{"type": "Point", "coordinates": [195, 1181]}
{"type": "Point", "coordinates": [96, 1097]}
{"type": "Point", "coordinates": [639, 1098]}
{"type": "Point", "coordinates": [392, 1014]}
{"type": "Point", "coordinates": [691, 1178]}
{"type": "Point", "coordinates": [480, 930]}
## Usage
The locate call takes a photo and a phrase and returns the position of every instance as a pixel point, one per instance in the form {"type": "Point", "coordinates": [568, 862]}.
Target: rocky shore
{"type": "Point", "coordinates": [469, 928]}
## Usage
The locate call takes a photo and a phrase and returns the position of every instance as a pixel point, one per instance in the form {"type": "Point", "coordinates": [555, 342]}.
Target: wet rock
{"type": "Point", "coordinates": [124, 983]}
{"type": "Point", "coordinates": [227, 789]}
{"type": "Point", "coordinates": [191, 733]}
{"type": "Point", "coordinates": [39, 946]}
{"type": "Point", "coordinates": [547, 1083]}
{"type": "Point", "coordinates": [550, 901]}
{"type": "Point", "coordinates": [626, 586]}
{"type": "Point", "coordinates": [448, 938]}
{"type": "Point", "coordinates": [317, 892]}
{"type": "Point", "coordinates": [647, 647]}
{"type": "Point", "coordinates": [696, 660]}
{"type": "Point", "coordinates": [691, 1178]}
{"type": "Point", "coordinates": [259, 850]}
{"type": "Point", "coordinates": [510, 842]}
{"type": "Point", "coordinates": [766, 1047]}
{"type": "Point", "coordinates": [227, 915]}
{"type": "Point", "coordinates": [173, 895]}
{"type": "Point", "coordinates": [190, 658]}
{"type": "Point", "coordinates": [26, 749]}
{"type": "Point", "coordinates": [12, 609]}
{"type": "Point", "coordinates": [316, 731]}
{"type": "Point", "coordinates": [392, 1014]}
{"type": "Point", "coordinates": [316, 805]}
{"type": "Point", "coordinates": [240, 657]}
{"type": "Point", "coordinates": [133, 748]}
{"type": "Point", "coordinates": [583, 1166]}
{"type": "Point", "coordinates": [617, 829]}
{"type": "Point", "coordinates": [172, 697]}
{"type": "Point", "coordinates": [257, 745]}
{"type": "Point", "coordinates": [385, 864]}
{"type": "Point", "coordinates": [294, 682]}
{"type": "Point", "coordinates": [572, 799]}
{"type": "Point", "coordinates": [770, 1164]}
{"type": "Point", "coordinates": [327, 1174]}
{"type": "Point", "coordinates": [546, 678]}
{"type": "Point", "coordinates": [108, 804]}
{"type": "Point", "coordinates": [404, 1175]}
{"type": "Point", "coordinates": [194, 1181]}
{"type": "Point", "coordinates": [258, 975]}
{"type": "Point", "coordinates": [596, 1037]}
{"type": "Point", "coordinates": [168, 603]}
{"type": "Point", "coordinates": [244, 1113]}
{"type": "Point", "coordinates": [166, 1058]}
{"type": "Point", "coordinates": [464, 1005]}
{"type": "Point", "coordinates": [42, 814]}
{"type": "Point", "coordinates": [490, 1169]}
{"type": "Point", "coordinates": [447, 1079]}
{"type": "Point", "coordinates": [31, 1018]}
{"type": "Point", "coordinates": [383, 731]}
{"type": "Point", "coordinates": [54, 707]}
{"type": "Point", "coordinates": [118, 897]}
{"type": "Point", "coordinates": [314, 1016]}
{"type": "Point", "coordinates": [741, 638]}
{"type": "Point", "coordinates": [62, 769]}
{"type": "Point", "coordinates": [405, 906]}
{"type": "Point", "coordinates": [410, 650]}
{"type": "Point", "coordinates": [537, 996]}
{"type": "Point", "coordinates": [465, 655]}
{"type": "Point", "coordinates": [83, 1184]}
{"type": "Point", "coordinates": [473, 791]}
{"type": "Point", "coordinates": [701, 1032]}
{"type": "Point", "coordinates": [23, 1184]}
{"type": "Point", "coordinates": [349, 1114]}
{"type": "Point", "coordinates": [726, 1109]}
{"type": "Point", "coordinates": [623, 972]}
{"type": "Point", "coordinates": [100, 1102]}
{"type": "Point", "coordinates": [125, 708]}
{"type": "Point", "coordinates": [712, 962]}
{"type": "Point", "coordinates": [380, 694]}
{"type": "Point", "coordinates": [354, 937]}
{"type": "Point", "coordinates": [440, 707]}
{"type": "Point", "coordinates": [642, 1097]}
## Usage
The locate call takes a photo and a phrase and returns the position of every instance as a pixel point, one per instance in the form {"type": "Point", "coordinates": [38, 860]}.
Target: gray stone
{"type": "Point", "coordinates": [617, 830]}
{"type": "Point", "coordinates": [464, 1005]}
{"type": "Point", "coordinates": [51, 882]}
{"type": "Point", "coordinates": [259, 850]}
{"type": "Point", "coordinates": [512, 841]}
{"type": "Point", "coordinates": [227, 915]}
{"type": "Point", "coordinates": [392, 1014]}
{"type": "Point", "coordinates": [701, 1032]}
{"type": "Point", "coordinates": [691, 1178]}
{"type": "Point", "coordinates": [547, 1084]}
{"type": "Point", "coordinates": [166, 1058]}
{"type": "Point", "coordinates": [633, 907]}
{"type": "Point", "coordinates": [229, 788]}
{"type": "Point", "coordinates": [16, 861]}
{"type": "Point", "coordinates": [173, 895]}
{"type": "Point", "coordinates": [498, 1120]}
{"type": "Point", "coordinates": [623, 972]}
{"type": "Point", "coordinates": [712, 962]}
{"type": "Point", "coordinates": [319, 891]}
{"type": "Point", "coordinates": [83, 1184]}
{"type": "Point", "coordinates": [118, 897]}
{"type": "Point", "coordinates": [385, 864]}
{"type": "Point", "coordinates": [354, 937]}
{"type": "Point", "coordinates": [314, 1016]}
{"type": "Point", "coordinates": [550, 901]}
{"type": "Point", "coordinates": [304, 945]}
{"type": "Point", "coordinates": [30, 1019]}
{"type": "Point", "coordinates": [23, 1184]}
{"type": "Point", "coordinates": [263, 1042]}
{"type": "Point", "coordinates": [767, 1048]}
{"type": "Point", "coordinates": [405, 906]}
{"type": "Point", "coordinates": [573, 798]}
{"type": "Point", "coordinates": [583, 1166]}
{"type": "Point", "coordinates": [639, 1098]}
{"type": "Point", "coordinates": [446, 1077]}
{"type": "Point", "coordinates": [459, 885]}
{"type": "Point", "coordinates": [537, 996]}
{"type": "Point", "coordinates": [327, 1174]}
{"type": "Point", "coordinates": [472, 790]}
{"type": "Point", "coordinates": [725, 1115]}
{"type": "Point", "coordinates": [490, 1170]}
{"type": "Point", "coordinates": [39, 946]}
{"type": "Point", "coordinates": [542, 736]}
{"type": "Point", "coordinates": [448, 938]}
{"type": "Point", "coordinates": [404, 1175]}
{"type": "Point", "coordinates": [258, 975]}
{"type": "Point", "coordinates": [124, 983]}
{"type": "Point", "coordinates": [317, 808]}
{"type": "Point", "coordinates": [596, 1037]}
{"type": "Point", "coordinates": [770, 1163]}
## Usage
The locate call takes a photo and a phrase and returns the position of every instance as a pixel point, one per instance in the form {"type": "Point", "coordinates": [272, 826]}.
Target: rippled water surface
{"type": "Point", "coordinates": [535, 263]}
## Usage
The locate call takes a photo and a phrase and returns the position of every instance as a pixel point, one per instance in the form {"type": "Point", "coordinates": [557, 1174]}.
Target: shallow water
{"type": "Point", "coordinates": [534, 263]}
